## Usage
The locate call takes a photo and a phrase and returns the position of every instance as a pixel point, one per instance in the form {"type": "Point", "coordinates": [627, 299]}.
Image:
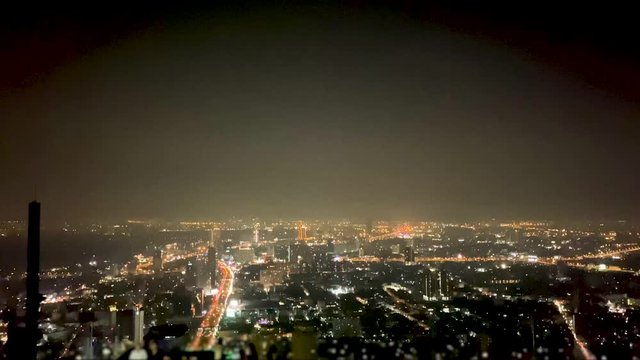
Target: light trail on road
{"type": "Point", "coordinates": [206, 336]}
{"type": "Point", "coordinates": [584, 351]}
{"type": "Point", "coordinates": [388, 288]}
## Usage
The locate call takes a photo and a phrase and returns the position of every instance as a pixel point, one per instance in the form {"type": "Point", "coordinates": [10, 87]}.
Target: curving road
{"type": "Point", "coordinates": [206, 336]}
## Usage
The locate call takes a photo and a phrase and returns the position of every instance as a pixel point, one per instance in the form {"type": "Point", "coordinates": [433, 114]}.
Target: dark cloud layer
{"type": "Point", "coordinates": [311, 111]}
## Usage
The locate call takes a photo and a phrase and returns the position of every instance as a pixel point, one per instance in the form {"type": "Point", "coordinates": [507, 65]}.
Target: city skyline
{"type": "Point", "coordinates": [307, 288]}
{"type": "Point", "coordinates": [255, 222]}
{"type": "Point", "coordinates": [319, 180]}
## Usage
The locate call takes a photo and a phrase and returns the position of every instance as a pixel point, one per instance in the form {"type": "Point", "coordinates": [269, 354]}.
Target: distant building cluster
{"type": "Point", "coordinates": [340, 290]}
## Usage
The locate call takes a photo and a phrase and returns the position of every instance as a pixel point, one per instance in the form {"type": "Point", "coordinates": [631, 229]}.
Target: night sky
{"type": "Point", "coordinates": [294, 110]}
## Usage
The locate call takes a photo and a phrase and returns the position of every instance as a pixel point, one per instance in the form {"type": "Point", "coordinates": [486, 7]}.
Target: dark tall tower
{"type": "Point", "coordinates": [33, 280]}
{"type": "Point", "coordinates": [212, 265]}
{"type": "Point", "coordinates": [409, 255]}
{"type": "Point", "coordinates": [331, 247]}
{"type": "Point", "coordinates": [157, 261]}
{"type": "Point", "coordinates": [212, 256]}
{"type": "Point", "coordinates": [191, 275]}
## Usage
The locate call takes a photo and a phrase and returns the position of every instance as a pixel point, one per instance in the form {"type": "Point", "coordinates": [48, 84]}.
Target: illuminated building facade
{"type": "Point", "coordinates": [302, 231]}
{"type": "Point", "coordinates": [437, 285]}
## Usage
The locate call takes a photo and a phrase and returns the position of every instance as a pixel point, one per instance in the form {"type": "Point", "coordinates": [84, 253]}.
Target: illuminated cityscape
{"type": "Point", "coordinates": [319, 180]}
{"type": "Point", "coordinates": [405, 289]}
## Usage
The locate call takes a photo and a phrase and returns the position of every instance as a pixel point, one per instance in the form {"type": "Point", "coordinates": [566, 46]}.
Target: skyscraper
{"type": "Point", "coordinates": [212, 265]}
{"type": "Point", "coordinates": [129, 323]}
{"type": "Point", "coordinates": [212, 256]}
{"type": "Point", "coordinates": [216, 241]}
{"type": "Point", "coordinates": [431, 285]}
{"type": "Point", "coordinates": [437, 285]}
{"type": "Point", "coordinates": [445, 285]}
{"type": "Point", "coordinates": [302, 231]}
{"type": "Point", "coordinates": [191, 275]}
{"type": "Point", "coordinates": [256, 233]}
{"type": "Point", "coordinates": [331, 247]}
{"type": "Point", "coordinates": [157, 261]}
{"type": "Point", "coordinates": [408, 253]}
{"type": "Point", "coordinates": [23, 340]}
{"type": "Point", "coordinates": [282, 252]}
{"type": "Point", "coordinates": [33, 280]}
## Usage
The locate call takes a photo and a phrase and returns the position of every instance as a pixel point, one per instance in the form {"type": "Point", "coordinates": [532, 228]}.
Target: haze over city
{"type": "Point", "coordinates": [315, 111]}
{"type": "Point", "coordinates": [319, 180]}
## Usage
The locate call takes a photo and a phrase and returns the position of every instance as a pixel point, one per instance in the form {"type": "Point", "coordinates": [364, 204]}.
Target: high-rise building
{"type": "Point", "coordinates": [33, 280]}
{"type": "Point", "coordinates": [212, 256]}
{"type": "Point", "coordinates": [129, 324]}
{"type": "Point", "coordinates": [212, 264]}
{"type": "Point", "coordinates": [256, 233]}
{"type": "Point", "coordinates": [282, 252]}
{"type": "Point", "coordinates": [445, 285]}
{"type": "Point", "coordinates": [409, 255]}
{"type": "Point", "coordinates": [157, 260]}
{"type": "Point", "coordinates": [321, 260]}
{"type": "Point", "coordinates": [395, 249]}
{"type": "Point", "coordinates": [300, 251]}
{"type": "Point", "coordinates": [431, 286]}
{"type": "Point", "coordinates": [437, 285]}
{"type": "Point", "coordinates": [215, 236]}
{"type": "Point", "coordinates": [331, 247]}
{"type": "Point", "coordinates": [22, 340]}
{"type": "Point", "coordinates": [302, 231]}
{"type": "Point", "coordinates": [191, 275]}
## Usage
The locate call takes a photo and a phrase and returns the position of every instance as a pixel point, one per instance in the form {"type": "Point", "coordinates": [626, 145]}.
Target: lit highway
{"type": "Point", "coordinates": [582, 352]}
{"type": "Point", "coordinates": [540, 260]}
{"type": "Point", "coordinates": [609, 253]}
{"type": "Point", "coordinates": [389, 289]}
{"type": "Point", "coordinates": [387, 236]}
{"type": "Point", "coordinates": [206, 336]}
